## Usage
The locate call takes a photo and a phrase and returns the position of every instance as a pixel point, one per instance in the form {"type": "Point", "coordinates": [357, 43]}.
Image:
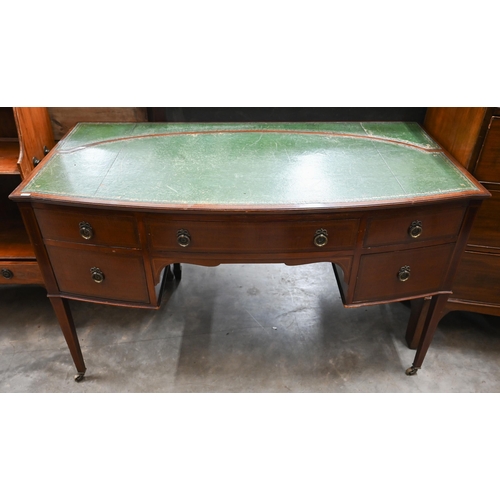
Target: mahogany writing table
{"type": "Point", "coordinates": [114, 206]}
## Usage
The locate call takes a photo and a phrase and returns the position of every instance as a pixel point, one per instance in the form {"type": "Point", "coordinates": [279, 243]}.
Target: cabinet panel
{"type": "Point", "coordinates": [478, 278]}
{"type": "Point", "coordinates": [457, 130]}
{"type": "Point", "coordinates": [488, 166]}
{"type": "Point", "coordinates": [486, 229]}
{"type": "Point", "coordinates": [9, 153]}
{"type": "Point", "coordinates": [35, 137]}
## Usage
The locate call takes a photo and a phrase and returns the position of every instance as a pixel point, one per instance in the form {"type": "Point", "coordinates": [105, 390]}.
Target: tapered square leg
{"type": "Point", "coordinates": [419, 309]}
{"type": "Point", "coordinates": [65, 318]}
{"type": "Point", "coordinates": [434, 314]}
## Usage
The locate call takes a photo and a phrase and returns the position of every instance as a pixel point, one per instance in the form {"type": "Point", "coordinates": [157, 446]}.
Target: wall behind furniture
{"type": "Point", "coordinates": [63, 119]}
{"type": "Point", "coordinates": [285, 114]}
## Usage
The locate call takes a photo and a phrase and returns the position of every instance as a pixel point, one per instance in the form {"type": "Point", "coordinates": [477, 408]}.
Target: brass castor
{"type": "Point", "coordinates": [79, 377]}
{"type": "Point", "coordinates": [411, 371]}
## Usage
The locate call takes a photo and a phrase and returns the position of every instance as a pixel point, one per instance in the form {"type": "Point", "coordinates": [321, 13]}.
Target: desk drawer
{"type": "Point", "coordinates": [384, 276]}
{"type": "Point", "coordinates": [435, 224]}
{"type": "Point", "coordinates": [19, 272]}
{"type": "Point", "coordinates": [99, 273]}
{"type": "Point", "coordinates": [87, 226]}
{"type": "Point", "coordinates": [252, 237]}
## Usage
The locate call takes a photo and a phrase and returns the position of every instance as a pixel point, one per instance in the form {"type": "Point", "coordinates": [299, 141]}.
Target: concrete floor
{"type": "Point", "coordinates": [242, 328]}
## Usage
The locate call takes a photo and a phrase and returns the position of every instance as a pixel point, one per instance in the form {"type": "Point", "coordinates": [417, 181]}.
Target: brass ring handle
{"type": "Point", "coordinates": [97, 274]}
{"type": "Point", "coordinates": [7, 274]}
{"type": "Point", "coordinates": [321, 237]}
{"type": "Point", "coordinates": [183, 238]}
{"type": "Point", "coordinates": [415, 229]}
{"type": "Point", "coordinates": [86, 231]}
{"type": "Point", "coordinates": [404, 273]}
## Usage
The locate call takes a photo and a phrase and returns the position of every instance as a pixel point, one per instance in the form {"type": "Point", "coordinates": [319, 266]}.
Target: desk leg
{"type": "Point", "coordinates": [419, 310]}
{"type": "Point", "coordinates": [65, 318]}
{"type": "Point", "coordinates": [434, 314]}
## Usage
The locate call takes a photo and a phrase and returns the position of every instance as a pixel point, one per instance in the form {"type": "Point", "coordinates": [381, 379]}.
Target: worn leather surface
{"type": "Point", "coordinates": [186, 164]}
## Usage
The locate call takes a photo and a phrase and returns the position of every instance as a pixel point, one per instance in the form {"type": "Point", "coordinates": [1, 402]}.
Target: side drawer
{"type": "Point", "coordinates": [101, 228]}
{"type": "Point", "coordinates": [123, 275]}
{"type": "Point", "coordinates": [18, 272]}
{"type": "Point", "coordinates": [252, 237]}
{"type": "Point", "coordinates": [379, 274]}
{"type": "Point", "coordinates": [436, 223]}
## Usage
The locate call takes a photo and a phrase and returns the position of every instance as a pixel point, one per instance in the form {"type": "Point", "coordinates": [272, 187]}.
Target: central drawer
{"type": "Point", "coordinates": [251, 237]}
{"type": "Point", "coordinates": [99, 273]}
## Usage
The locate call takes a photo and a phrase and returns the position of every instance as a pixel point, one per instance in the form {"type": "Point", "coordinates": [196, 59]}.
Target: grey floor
{"type": "Point", "coordinates": [242, 328]}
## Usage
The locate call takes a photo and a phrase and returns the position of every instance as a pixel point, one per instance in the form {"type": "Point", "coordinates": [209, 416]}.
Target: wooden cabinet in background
{"type": "Point", "coordinates": [472, 136]}
{"type": "Point", "coordinates": [25, 137]}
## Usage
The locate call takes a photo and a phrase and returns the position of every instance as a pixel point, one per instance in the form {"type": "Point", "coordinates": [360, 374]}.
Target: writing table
{"type": "Point", "coordinates": [113, 206]}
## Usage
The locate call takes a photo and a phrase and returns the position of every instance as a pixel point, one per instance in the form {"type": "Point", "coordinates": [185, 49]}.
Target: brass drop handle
{"type": "Point", "coordinates": [404, 273]}
{"type": "Point", "coordinates": [183, 238]}
{"type": "Point", "coordinates": [321, 237]}
{"type": "Point", "coordinates": [7, 274]}
{"type": "Point", "coordinates": [97, 274]}
{"type": "Point", "coordinates": [415, 229]}
{"type": "Point", "coordinates": [86, 231]}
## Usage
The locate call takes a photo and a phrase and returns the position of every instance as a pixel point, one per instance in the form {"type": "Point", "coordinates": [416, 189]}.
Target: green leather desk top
{"type": "Point", "coordinates": [236, 165]}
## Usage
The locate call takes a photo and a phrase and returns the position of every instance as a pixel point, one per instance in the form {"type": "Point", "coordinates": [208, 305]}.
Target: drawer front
{"type": "Point", "coordinates": [380, 276]}
{"type": "Point", "coordinates": [92, 227]}
{"type": "Point", "coordinates": [121, 276]}
{"type": "Point", "coordinates": [252, 237]}
{"type": "Point", "coordinates": [488, 166]}
{"type": "Point", "coordinates": [478, 278]}
{"type": "Point", "coordinates": [486, 229]}
{"type": "Point", "coordinates": [20, 273]}
{"type": "Point", "coordinates": [435, 223]}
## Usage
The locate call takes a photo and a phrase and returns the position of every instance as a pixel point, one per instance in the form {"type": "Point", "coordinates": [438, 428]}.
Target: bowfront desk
{"type": "Point", "coordinates": [113, 208]}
